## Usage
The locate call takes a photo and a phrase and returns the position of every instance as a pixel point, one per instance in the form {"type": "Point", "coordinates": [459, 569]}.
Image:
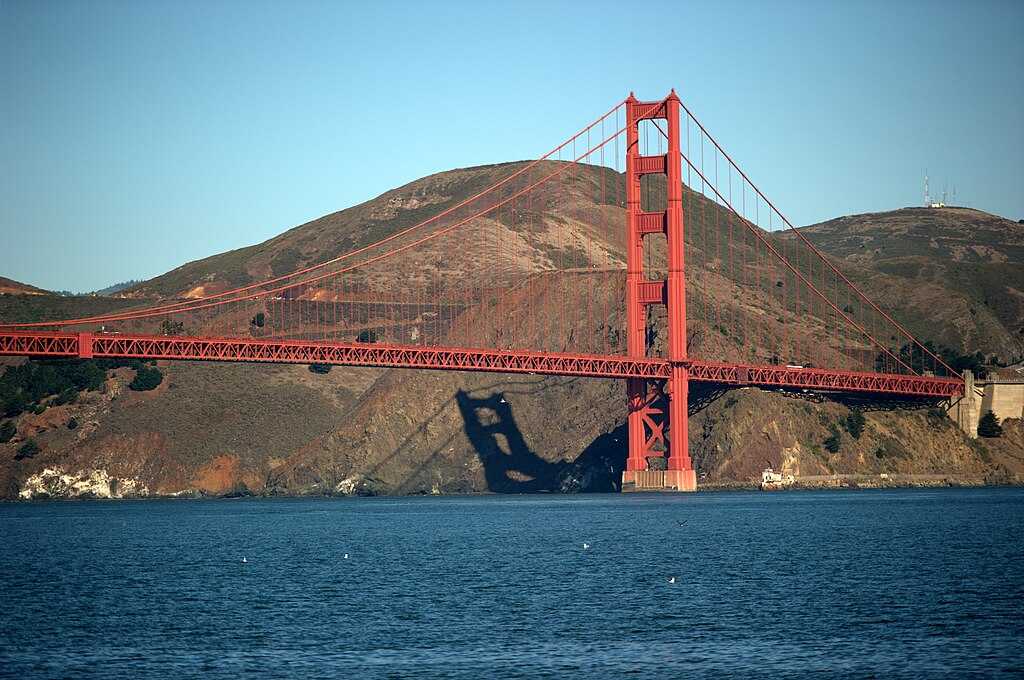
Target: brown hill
{"type": "Point", "coordinates": [222, 428]}
{"type": "Point", "coordinates": [12, 287]}
{"type": "Point", "coordinates": [953, 275]}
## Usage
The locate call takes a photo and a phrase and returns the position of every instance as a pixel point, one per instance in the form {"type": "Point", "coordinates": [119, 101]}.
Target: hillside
{"type": "Point", "coordinates": [954, 275]}
{"type": "Point", "coordinates": [12, 287]}
{"type": "Point", "coordinates": [222, 429]}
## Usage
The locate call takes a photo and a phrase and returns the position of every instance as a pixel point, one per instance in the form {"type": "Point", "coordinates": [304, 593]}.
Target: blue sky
{"type": "Point", "coordinates": [139, 135]}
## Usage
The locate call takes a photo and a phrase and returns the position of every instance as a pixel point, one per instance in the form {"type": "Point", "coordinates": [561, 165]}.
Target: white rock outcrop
{"type": "Point", "coordinates": [55, 483]}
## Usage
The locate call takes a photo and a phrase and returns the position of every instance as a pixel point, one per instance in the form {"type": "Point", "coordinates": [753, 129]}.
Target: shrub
{"type": "Point", "coordinates": [320, 368]}
{"type": "Point", "coordinates": [7, 431]}
{"type": "Point", "coordinates": [988, 426]}
{"type": "Point", "coordinates": [833, 442]}
{"type": "Point", "coordinates": [39, 409]}
{"type": "Point", "coordinates": [146, 379]}
{"type": "Point", "coordinates": [855, 423]}
{"type": "Point", "coordinates": [23, 388]}
{"type": "Point", "coordinates": [72, 424]}
{"type": "Point", "coordinates": [259, 320]}
{"type": "Point", "coordinates": [86, 375]}
{"type": "Point", "coordinates": [14, 404]}
{"type": "Point", "coordinates": [68, 396]}
{"type": "Point", "coordinates": [27, 450]}
{"type": "Point", "coordinates": [366, 336]}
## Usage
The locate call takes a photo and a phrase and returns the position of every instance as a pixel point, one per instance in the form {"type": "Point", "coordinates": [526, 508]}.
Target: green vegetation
{"type": "Point", "coordinates": [320, 368]}
{"type": "Point", "coordinates": [23, 388]}
{"type": "Point", "coordinates": [7, 431]}
{"type": "Point", "coordinates": [988, 426]}
{"type": "Point", "coordinates": [146, 379]}
{"type": "Point", "coordinates": [68, 396]}
{"type": "Point", "coordinates": [27, 450]}
{"type": "Point", "coordinates": [855, 423]}
{"type": "Point", "coordinates": [73, 424]}
{"type": "Point", "coordinates": [834, 441]}
{"type": "Point", "coordinates": [366, 336]}
{"type": "Point", "coordinates": [259, 320]}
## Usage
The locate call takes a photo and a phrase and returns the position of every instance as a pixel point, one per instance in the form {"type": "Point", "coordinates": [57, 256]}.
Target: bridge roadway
{"type": "Point", "coordinates": [88, 345]}
{"type": "Point", "coordinates": [101, 345]}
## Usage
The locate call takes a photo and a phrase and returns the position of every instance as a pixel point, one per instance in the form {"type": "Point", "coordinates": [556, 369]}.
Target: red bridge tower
{"type": "Point", "coordinates": [647, 420]}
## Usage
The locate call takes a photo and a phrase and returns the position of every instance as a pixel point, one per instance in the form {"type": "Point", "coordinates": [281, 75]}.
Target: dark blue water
{"type": "Point", "coordinates": [890, 583]}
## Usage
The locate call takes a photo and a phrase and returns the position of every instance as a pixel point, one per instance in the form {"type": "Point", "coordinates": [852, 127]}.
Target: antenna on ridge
{"type": "Point", "coordinates": [927, 198]}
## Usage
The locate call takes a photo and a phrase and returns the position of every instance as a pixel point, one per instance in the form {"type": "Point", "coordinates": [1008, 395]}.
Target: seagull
{"type": "Point", "coordinates": [586, 546]}
{"type": "Point", "coordinates": [245, 561]}
{"type": "Point", "coordinates": [346, 556]}
{"type": "Point", "coordinates": [682, 523]}
{"type": "Point", "coordinates": [672, 580]}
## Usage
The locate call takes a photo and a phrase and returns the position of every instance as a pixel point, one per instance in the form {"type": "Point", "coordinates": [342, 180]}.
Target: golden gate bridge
{"type": "Point", "coordinates": [663, 265]}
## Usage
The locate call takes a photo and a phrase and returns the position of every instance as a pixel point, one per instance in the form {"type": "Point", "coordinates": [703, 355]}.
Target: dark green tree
{"type": "Point", "coordinates": [833, 442]}
{"type": "Point", "coordinates": [259, 320]}
{"type": "Point", "coordinates": [14, 404]}
{"type": "Point", "coordinates": [7, 431]}
{"type": "Point", "coordinates": [68, 396]}
{"type": "Point", "coordinates": [146, 379]}
{"type": "Point", "coordinates": [366, 336]}
{"type": "Point", "coordinates": [320, 368]}
{"type": "Point", "coordinates": [27, 450]}
{"type": "Point", "coordinates": [988, 426]}
{"type": "Point", "coordinates": [855, 423]}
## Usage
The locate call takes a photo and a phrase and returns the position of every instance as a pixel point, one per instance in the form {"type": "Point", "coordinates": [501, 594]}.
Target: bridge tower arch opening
{"type": "Point", "coordinates": [647, 418]}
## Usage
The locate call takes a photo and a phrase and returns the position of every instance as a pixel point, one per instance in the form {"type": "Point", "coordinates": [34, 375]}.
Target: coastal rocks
{"type": "Point", "coordinates": [356, 485]}
{"type": "Point", "coordinates": [55, 483]}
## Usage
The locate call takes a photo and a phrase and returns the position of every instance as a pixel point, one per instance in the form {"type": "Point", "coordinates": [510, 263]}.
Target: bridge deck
{"type": "Point", "coordinates": [88, 345]}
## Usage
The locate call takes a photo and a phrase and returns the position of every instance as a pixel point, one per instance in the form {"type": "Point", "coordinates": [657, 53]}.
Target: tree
{"type": "Point", "coordinates": [15, 404]}
{"type": "Point", "coordinates": [988, 426]}
{"type": "Point", "coordinates": [7, 431]}
{"type": "Point", "coordinates": [366, 336]}
{"type": "Point", "coordinates": [27, 450]}
{"type": "Point", "coordinates": [320, 368]}
{"type": "Point", "coordinates": [72, 424]}
{"type": "Point", "coordinates": [259, 320]}
{"type": "Point", "coordinates": [67, 396]}
{"type": "Point", "coordinates": [833, 442]}
{"type": "Point", "coordinates": [855, 423]}
{"type": "Point", "coordinates": [146, 379]}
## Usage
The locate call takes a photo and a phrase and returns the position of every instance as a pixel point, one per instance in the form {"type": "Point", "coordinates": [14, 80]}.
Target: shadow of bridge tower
{"type": "Point", "coordinates": [510, 466]}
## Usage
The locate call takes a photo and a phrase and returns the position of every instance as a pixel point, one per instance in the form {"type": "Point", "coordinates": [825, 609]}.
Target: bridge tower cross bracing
{"type": "Point", "coordinates": [647, 421]}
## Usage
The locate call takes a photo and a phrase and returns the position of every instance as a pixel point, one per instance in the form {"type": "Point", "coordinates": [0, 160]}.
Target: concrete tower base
{"type": "Point", "coordinates": [659, 480]}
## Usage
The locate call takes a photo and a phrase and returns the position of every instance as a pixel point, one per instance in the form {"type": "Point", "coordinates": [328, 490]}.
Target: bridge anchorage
{"type": "Point", "coordinates": [784, 315]}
